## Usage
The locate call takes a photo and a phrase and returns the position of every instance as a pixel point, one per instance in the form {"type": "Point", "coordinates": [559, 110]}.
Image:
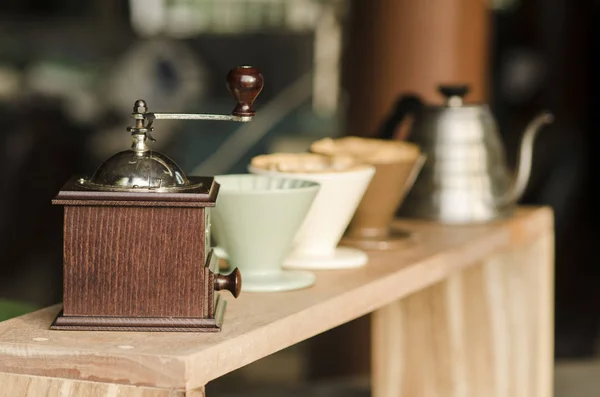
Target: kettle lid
{"type": "Point", "coordinates": [454, 94]}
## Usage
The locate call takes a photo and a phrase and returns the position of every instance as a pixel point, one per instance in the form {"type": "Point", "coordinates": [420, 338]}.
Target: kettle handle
{"type": "Point", "coordinates": [405, 105]}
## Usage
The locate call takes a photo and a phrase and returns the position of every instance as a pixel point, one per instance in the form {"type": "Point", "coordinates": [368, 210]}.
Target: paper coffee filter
{"type": "Point", "coordinates": [306, 163]}
{"type": "Point", "coordinates": [368, 150]}
{"type": "Point", "coordinates": [248, 183]}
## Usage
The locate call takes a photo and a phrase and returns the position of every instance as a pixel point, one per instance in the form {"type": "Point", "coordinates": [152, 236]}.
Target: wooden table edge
{"type": "Point", "coordinates": [199, 369]}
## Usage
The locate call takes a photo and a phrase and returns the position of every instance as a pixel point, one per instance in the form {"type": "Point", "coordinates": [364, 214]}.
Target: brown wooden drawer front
{"type": "Point", "coordinates": [134, 261]}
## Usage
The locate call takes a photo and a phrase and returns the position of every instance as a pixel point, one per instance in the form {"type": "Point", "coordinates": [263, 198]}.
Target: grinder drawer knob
{"type": "Point", "coordinates": [231, 282]}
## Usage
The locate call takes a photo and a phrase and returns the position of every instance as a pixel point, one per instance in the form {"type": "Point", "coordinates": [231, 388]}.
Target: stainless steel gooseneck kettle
{"type": "Point", "coordinates": [466, 178]}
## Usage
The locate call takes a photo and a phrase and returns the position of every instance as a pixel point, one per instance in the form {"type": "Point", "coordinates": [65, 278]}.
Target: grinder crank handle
{"type": "Point", "coordinates": [232, 282]}
{"type": "Point", "coordinates": [244, 83]}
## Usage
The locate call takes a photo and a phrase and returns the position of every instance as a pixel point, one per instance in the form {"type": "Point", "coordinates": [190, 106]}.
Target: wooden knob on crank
{"type": "Point", "coordinates": [232, 282]}
{"type": "Point", "coordinates": [245, 83]}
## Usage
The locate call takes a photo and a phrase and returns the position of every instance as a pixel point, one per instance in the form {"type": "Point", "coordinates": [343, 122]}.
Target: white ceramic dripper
{"type": "Point", "coordinates": [343, 182]}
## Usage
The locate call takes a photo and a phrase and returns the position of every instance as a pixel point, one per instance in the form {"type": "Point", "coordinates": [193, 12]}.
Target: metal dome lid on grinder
{"type": "Point", "coordinates": [136, 244]}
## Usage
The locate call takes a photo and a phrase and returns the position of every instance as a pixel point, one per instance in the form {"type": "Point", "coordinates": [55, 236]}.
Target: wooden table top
{"type": "Point", "coordinates": [258, 324]}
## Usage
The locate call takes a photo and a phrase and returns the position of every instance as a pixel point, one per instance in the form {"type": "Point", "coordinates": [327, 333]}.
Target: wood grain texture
{"type": "Point", "coordinates": [135, 262]}
{"type": "Point", "coordinates": [257, 325]}
{"type": "Point", "coordinates": [485, 331]}
{"type": "Point", "coordinates": [33, 386]}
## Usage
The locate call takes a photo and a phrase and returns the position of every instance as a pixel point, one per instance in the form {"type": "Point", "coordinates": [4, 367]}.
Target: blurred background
{"type": "Point", "coordinates": [71, 70]}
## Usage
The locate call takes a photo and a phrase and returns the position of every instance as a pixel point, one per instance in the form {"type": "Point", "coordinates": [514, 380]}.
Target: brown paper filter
{"type": "Point", "coordinates": [397, 164]}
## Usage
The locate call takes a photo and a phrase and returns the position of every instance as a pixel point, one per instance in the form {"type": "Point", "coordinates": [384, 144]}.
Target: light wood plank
{"type": "Point", "coordinates": [257, 325]}
{"type": "Point", "coordinates": [12, 385]}
{"type": "Point", "coordinates": [485, 331]}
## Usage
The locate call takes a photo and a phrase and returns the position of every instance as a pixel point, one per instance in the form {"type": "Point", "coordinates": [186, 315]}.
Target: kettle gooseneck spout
{"type": "Point", "coordinates": [524, 160]}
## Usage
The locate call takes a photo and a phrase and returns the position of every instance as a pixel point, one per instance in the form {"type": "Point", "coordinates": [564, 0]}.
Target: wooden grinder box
{"type": "Point", "coordinates": [141, 262]}
{"type": "Point", "coordinates": [136, 249]}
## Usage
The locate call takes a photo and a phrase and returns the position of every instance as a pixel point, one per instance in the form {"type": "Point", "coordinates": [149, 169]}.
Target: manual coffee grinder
{"type": "Point", "coordinates": [136, 249]}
